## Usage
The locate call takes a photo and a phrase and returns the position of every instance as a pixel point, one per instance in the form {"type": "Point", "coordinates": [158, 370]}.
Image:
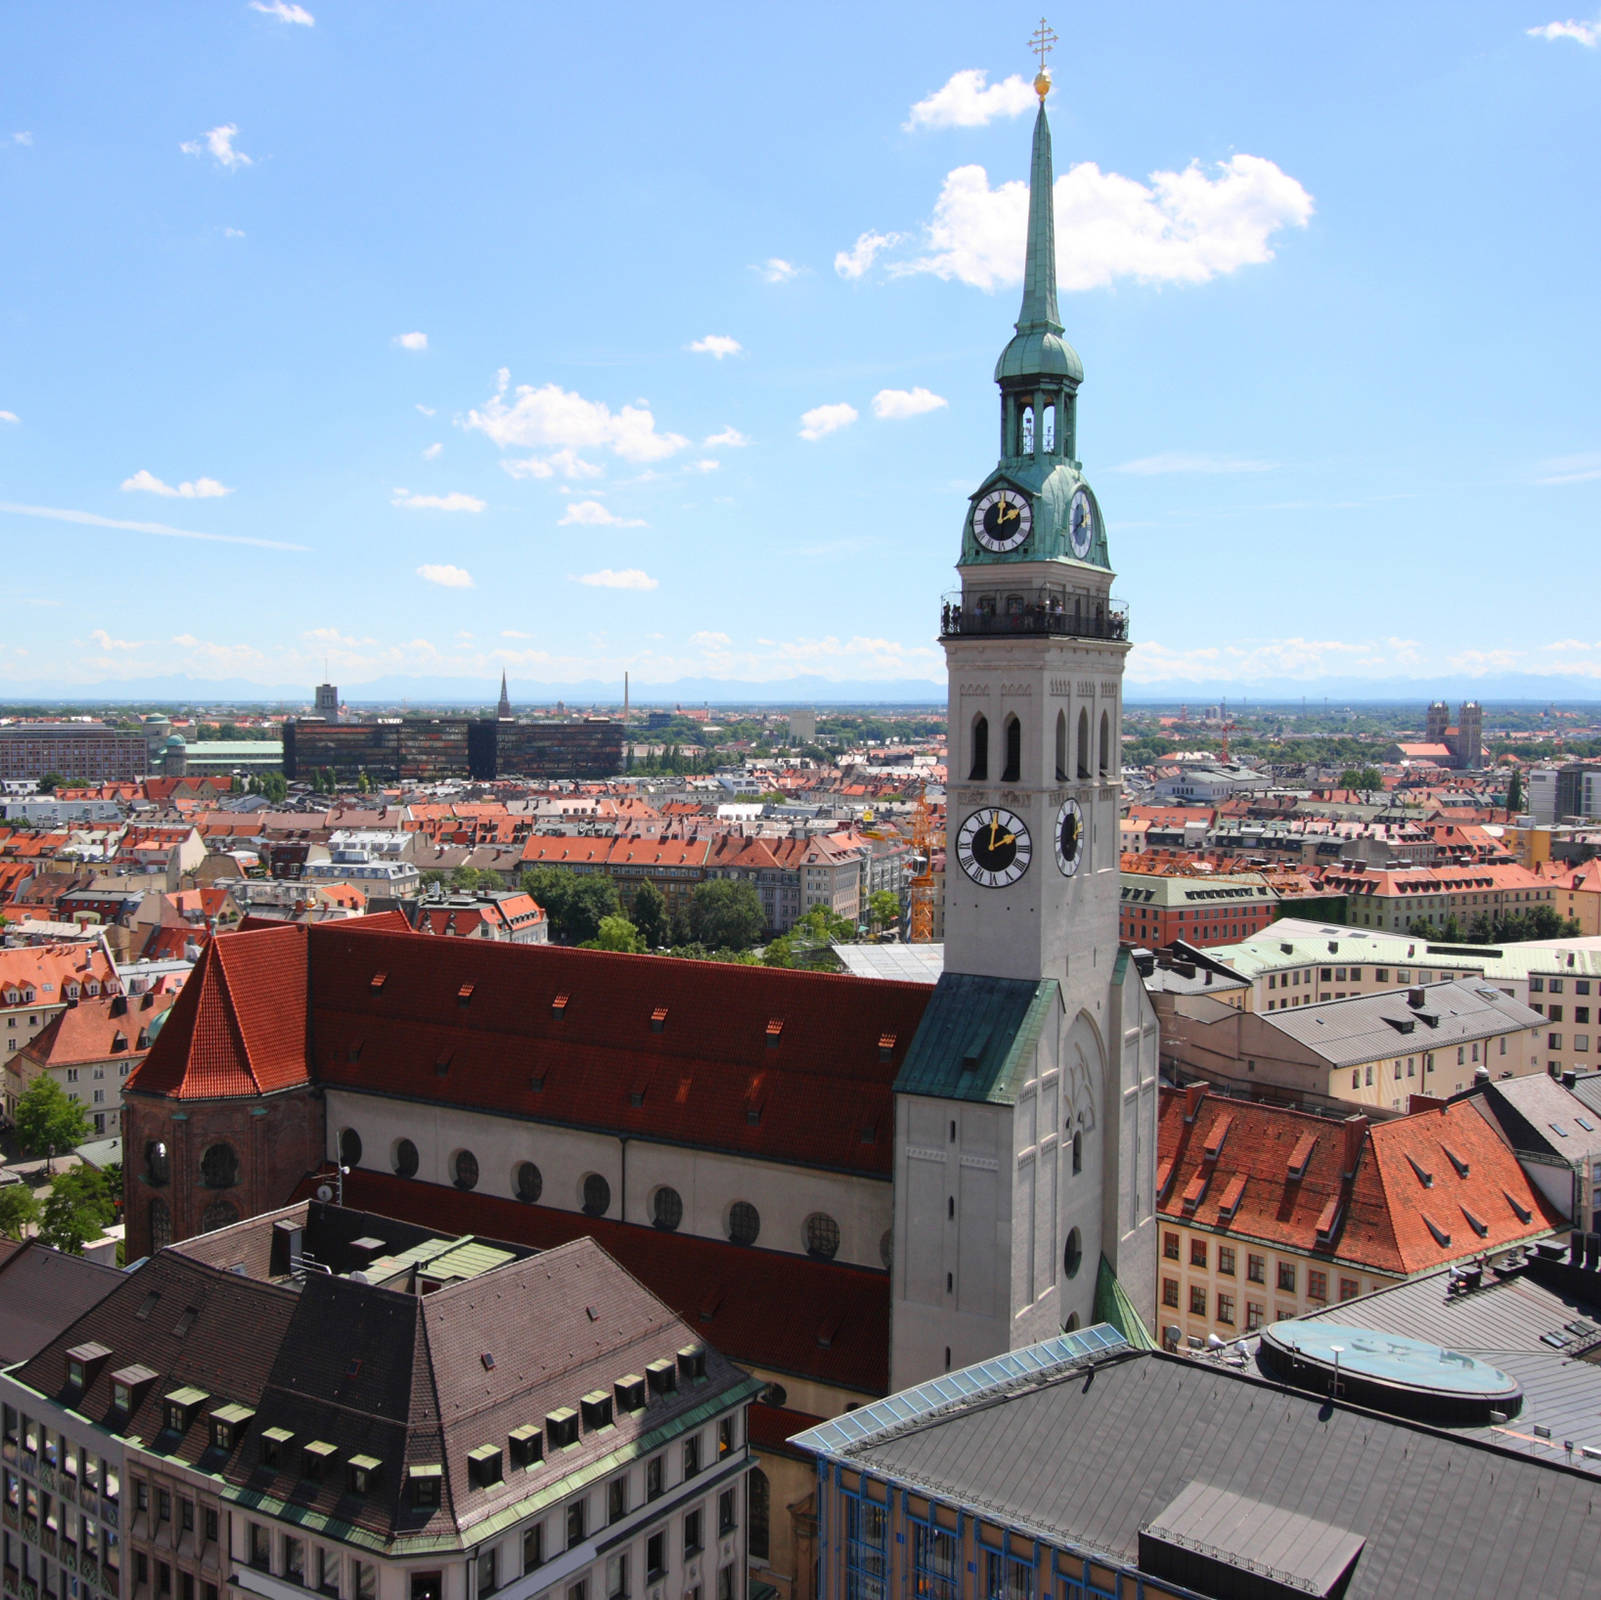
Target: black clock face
{"type": "Point", "coordinates": [1069, 837]}
{"type": "Point", "coordinates": [1002, 520]}
{"type": "Point", "coordinates": [994, 847]}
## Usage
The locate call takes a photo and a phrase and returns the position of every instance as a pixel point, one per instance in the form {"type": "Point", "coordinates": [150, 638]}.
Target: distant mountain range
{"type": "Point", "coordinates": [802, 691]}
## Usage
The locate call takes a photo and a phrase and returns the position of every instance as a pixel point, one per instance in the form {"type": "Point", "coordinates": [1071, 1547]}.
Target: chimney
{"type": "Point", "coordinates": [1414, 998]}
{"type": "Point", "coordinates": [1356, 1133]}
{"type": "Point", "coordinates": [1194, 1094]}
{"type": "Point", "coordinates": [1570, 1079]}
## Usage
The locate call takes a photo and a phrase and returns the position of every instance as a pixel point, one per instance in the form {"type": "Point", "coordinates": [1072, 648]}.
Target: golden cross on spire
{"type": "Point", "coordinates": [1041, 42]}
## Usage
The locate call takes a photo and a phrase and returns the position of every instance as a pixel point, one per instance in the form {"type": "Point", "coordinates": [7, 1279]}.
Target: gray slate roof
{"type": "Point", "coordinates": [1369, 1026]}
{"type": "Point", "coordinates": [1536, 1113]}
{"type": "Point", "coordinates": [1088, 1461]}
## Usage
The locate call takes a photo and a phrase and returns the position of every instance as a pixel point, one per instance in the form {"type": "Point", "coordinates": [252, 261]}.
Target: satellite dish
{"type": "Point", "coordinates": [325, 1192]}
{"type": "Point", "coordinates": [359, 1277]}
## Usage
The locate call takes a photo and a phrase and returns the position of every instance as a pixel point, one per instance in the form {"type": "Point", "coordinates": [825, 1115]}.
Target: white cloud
{"type": "Point", "coordinates": [433, 452]}
{"type": "Point", "coordinates": [727, 439]}
{"type": "Point", "coordinates": [853, 263]}
{"type": "Point", "coordinates": [9, 416]}
{"type": "Point", "coordinates": [705, 464]}
{"type": "Point", "coordinates": [426, 411]}
{"type": "Point", "coordinates": [1586, 33]}
{"type": "Point", "coordinates": [90, 519]}
{"type": "Point", "coordinates": [107, 643]}
{"type": "Point", "coordinates": [717, 345]}
{"type": "Point", "coordinates": [891, 405]}
{"type": "Point", "coordinates": [969, 100]}
{"type": "Point", "coordinates": [514, 633]}
{"type": "Point", "coordinates": [200, 489]}
{"type": "Point", "coordinates": [1178, 461]}
{"type": "Point", "coordinates": [775, 269]}
{"type": "Point", "coordinates": [1571, 469]}
{"type": "Point", "coordinates": [1295, 659]}
{"type": "Point", "coordinates": [455, 501]}
{"type": "Point", "coordinates": [22, 138]}
{"type": "Point", "coordinates": [709, 641]}
{"type": "Point", "coordinates": [592, 514]}
{"type": "Point", "coordinates": [411, 341]}
{"type": "Point", "coordinates": [821, 420]}
{"type": "Point", "coordinates": [1179, 227]}
{"type": "Point", "coordinates": [284, 11]}
{"type": "Point", "coordinates": [233, 233]}
{"type": "Point", "coordinates": [568, 463]}
{"type": "Point", "coordinates": [551, 415]}
{"type": "Point", "coordinates": [219, 143]}
{"type": "Point", "coordinates": [445, 576]}
{"type": "Point", "coordinates": [628, 578]}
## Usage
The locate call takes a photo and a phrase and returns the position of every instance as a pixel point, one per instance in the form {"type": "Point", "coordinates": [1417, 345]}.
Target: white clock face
{"type": "Point", "coordinates": [1069, 837]}
{"type": "Point", "coordinates": [1081, 524]}
{"type": "Point", "coordinates": [1002, 520]}
{"type": "Point", "coordinates": [994, 847]}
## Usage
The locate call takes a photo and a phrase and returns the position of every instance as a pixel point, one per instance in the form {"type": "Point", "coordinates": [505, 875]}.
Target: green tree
{"type": "Point", "coordinates": [619, 934]}
{"type": "Point", "coordinates": [274, 785]}
{"type": "Point", "coordinates": [1364, 779]}
{"type": "Point", "coordinates": [465, 877]}
{"type": "Point", "coordinates": [808, 943]}
{"type": "Point", "coordinates": [884, 907]}
{"type": "Point", "coordinates": [18, 1210]}
{"type": "Point", "coordinates": [50, 782]}
{"type": "Point", "coordinates": [650, 915]}
{"type": "Point", "coordinates": [49, 1121]}
{"type": "Point", "coordinates": [363, 782]}
{"type": "Point", "coordinates": [576, 903]}
{"type": "Point", "coordinates": [726, 912]}
{"type": "Point", "coordinates": [1514, 791]}
{"type": "Point", "coordinates": [550, 888]}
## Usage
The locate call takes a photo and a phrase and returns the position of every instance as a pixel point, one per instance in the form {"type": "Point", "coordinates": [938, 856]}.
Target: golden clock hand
{"type": "Point", "coordinates": [995, 828]}
{"type": "Point", "coordinates": [1008, 838]}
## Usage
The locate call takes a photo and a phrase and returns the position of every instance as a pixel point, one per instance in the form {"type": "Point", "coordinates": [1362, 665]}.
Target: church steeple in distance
{"type": "Point", "coordinates": [1036, 505]}
{"type": "Point", "coordinates": [503, 711]}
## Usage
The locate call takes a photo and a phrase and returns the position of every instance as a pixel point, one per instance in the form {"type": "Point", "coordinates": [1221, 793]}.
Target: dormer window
{"type": "Point", "coordinates": [561, 1427]}
{"type": "Point", "coordinates": [361, 1473]}
{"type": "Point", "coordinates": [314, 1459]}
{"type": "Point", "coordinates": [423, 1480]}
{"type": "Point", "coordinates": [526, 1445]}
{"type": "Point", "coordinates": [273, 1443]}
{"type": "Point", "coordinates": [227, 1423]}
{"type": "Point", "coordinates": [484, 1467]}
{"type": "Point", "coordinates": [597, 1409]}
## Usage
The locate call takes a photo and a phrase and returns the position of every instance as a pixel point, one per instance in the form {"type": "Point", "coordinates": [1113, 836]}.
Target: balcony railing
{"type": "Point", "coordinates": [1038, 613]}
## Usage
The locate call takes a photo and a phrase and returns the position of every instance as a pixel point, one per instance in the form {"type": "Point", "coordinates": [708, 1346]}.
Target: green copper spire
{"type": "Point", "coordinates": [1038, 350]}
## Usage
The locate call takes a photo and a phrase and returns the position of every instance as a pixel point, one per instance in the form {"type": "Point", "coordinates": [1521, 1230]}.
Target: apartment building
{"type": "Point", "coordinates": [1202, 909]}
{"type": "Point", "coordinates": [38, 983]}
{"type": "Point", "coordinates": [1401, 898]}
{"type": "Point", "coordinates": [329, 1402]}
{"type": "Point", "coordinates": [88, 750]}
{"type": "Point", "coordinates": [1267, 1214]}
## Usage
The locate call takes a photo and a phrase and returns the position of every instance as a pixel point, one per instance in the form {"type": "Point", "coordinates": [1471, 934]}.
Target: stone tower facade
{"type": "Point", "coordinates": [1026, 1115]}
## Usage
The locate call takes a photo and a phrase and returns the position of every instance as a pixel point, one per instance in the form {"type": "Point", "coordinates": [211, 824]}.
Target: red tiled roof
{"type": "Point", "coordinates": [710, 1077]}
{"type": "Point", "coordinates": [1380, 1216]}
{"type": "Point", "coordinates": [91, 1029]}
{"type": "Point", "coordinates": [239, 1027]}
{"type": "Point", "coordinates": [762, 1307]}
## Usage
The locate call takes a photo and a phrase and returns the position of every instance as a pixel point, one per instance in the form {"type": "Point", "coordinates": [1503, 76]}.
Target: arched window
{"type": "Point", "coordinates": [530, 1184]}
{"type": "Point", "coordinates": [404, 1159]}
{"type": "Point", "coordinates": [597, 1196]}
{"type": "Point", "coordinates": [349, 1148]}
{"type": "Point", "coordinates": [744, 1222]}
{"type": "Point", "coordinates": [980, 768]}
{"type": "Point", "coordinates": [1013, 771]}
{"type": "Point", "coordinates": [759, 1511]}
{"type": "Point", "coordinates": [219, 1167]}
{"type": "Point", "coordinates": [1027, 442]}
{"type": "Point", "coordinates": [1071, 1325]}
{"type": "Point", "coordinates": [1083, 742]}
{"type": "Point", "coordinates": [822, 1236]}
{"type": "Point", "coordinates": [219, 1214]}
{"type": "Point", "coordinates": [1061, 747]}
{"type": "Point", "coordinates": [157, 1167]}
{"type": "Point", "coordinates": [1106, 743]}
{"type": "Point", "coordinates": [464, 1169]}
{"type": "Point", "coordinates": [160, 1225]}
{"type": "Point", "coordinates": [1048, 430]}
{"type": "Point", "coordinates": [1073, 1255]}
{"type": "Point", "coordinates": [1078, 1152]}
{"type": "Point", "coordinates": [666, 1209]}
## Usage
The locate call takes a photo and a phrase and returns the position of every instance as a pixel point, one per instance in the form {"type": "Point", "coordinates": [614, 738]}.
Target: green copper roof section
{"type": "Point", "coordinates": [977, 1037]}
{"type": "Point", "coordinates": [1113, 1305]}
{"type": "Point", "coordinates": [1038, 348]}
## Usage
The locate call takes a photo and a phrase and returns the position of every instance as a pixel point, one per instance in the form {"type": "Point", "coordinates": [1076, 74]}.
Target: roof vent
{"type": "Point", "coordinates": [775, 1028]}
{"type": "Point", "coordinates": [1455, 1160]}
{"type": "Point", "coordinates": [1425, 1177]}
{"type": "Point", "coordinates": [559, 1005]}
{"type": "Point", "coordinates": [658, 1019]}
{"type": "Point", "coordinates": [1524, 1214]}
{"type": "Point", "coordinates": [464, 994]}
{"type": "Point", "coordinates": [886, 1046]}
{"type": "Point", "coordinates": [379, 979]}
{"type": "Point", "coordinates": [1480, 1228]}
{"type": "Point", "coordinates": [1441, 1237]}
{"type": "Point", "coordinates": [1301, 1156]}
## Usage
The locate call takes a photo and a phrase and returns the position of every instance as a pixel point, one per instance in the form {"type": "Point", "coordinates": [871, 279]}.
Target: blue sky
{"type": "Point", "coordinates": [574, 339]}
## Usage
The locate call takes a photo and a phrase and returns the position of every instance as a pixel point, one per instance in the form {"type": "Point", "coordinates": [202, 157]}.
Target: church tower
{"type": "Point", "coordinates": [1026, 1113]}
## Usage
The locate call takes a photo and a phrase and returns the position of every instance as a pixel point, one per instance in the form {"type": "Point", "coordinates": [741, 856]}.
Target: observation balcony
{"type": "Point", "coordinates": [1038, 612]}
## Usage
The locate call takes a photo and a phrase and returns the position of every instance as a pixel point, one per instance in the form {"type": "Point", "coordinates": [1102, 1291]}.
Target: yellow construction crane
{"type": "Point", "coordinates": [921, 930]}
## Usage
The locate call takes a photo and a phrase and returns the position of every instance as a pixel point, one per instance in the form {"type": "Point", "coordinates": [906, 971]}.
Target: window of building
{"type": "Point", "coordinates": [1170, 1292]}
{"type": "Point", "coordinates": [484, 1570]}
{"type": "Point", "coordinates": [1349, 1288]}
{"type": "Point", "coordinates": [1197, 1299]}
{"type": "Point", "coordinates": [1317, 1284]}
{"type": "Point", "coordinates": [866, 1563]}
{"type": "Point", "coordinates": [1286, 1278]}
{"type": "Point", "coordinates": [365, 1577]}
{"type": "Point", "coordinates": [692, 1534]}
{"type": "Point", "coordinates": [617, 1576]}
{"type": "Point", "coordinates": [405, 1159]}
{"type": "Point", "coordinates": [596, 1195]}
{"type": "Point", "coordinates": [427, 1586]}
{"type": "Point", "coordinates": [692, 1455]}
{"type": "Point", "coordinates": [1197, 1252]}
{"type": "Point", "coordinates": [328, 1571]}
{"type": "Point", "coordinates": [1225, 1309]}
{"type": "Point", "coordinates": [260, 1547]}
{"type": "Point", "coordinates": [1253, 1316]}
{"type": "Point", "coordinates": [653, 1478]}
{"type": "Point", "coordinates": [1170, 1246]}
{"type": "Point", "coordinates": [1255, 1267]}
{"type": "Point", "coordinates": [727, 1520]}
{"type": "Point", "coordinates": [219, 1167]}
{"type": "Point", "coordinates": [533, 1547]}
{"type": "Point", "coordinates": [666, 1209]}
{"type": "Point", "coordinates": [295, 1560]}
{"type": "Point", "coordinates": [1225, 1260]}
{"type": "Point", "coordinates": [822, 1236]}
{"type": "Point", "coordinates": [758, 1509]}
{"type": "Point", "coordinates": [617, 1498]}
{"type": "Point", "coordinates": [576, 1521]}
{"type": "Point", "coordinates": [978, 770]}
{"type": "Point", "coordinates": [655, 1556]}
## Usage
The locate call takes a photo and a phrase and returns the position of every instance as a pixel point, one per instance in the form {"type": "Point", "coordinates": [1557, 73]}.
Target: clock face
{"type": "Point", "coordinates": [1069, 837]}
{"type": "Point", "coordinates": [1081, 524]}
{"type": "Point", "coordinates": [1002, 520]}
{"type": "Point", "coordinates": [994, 847]}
